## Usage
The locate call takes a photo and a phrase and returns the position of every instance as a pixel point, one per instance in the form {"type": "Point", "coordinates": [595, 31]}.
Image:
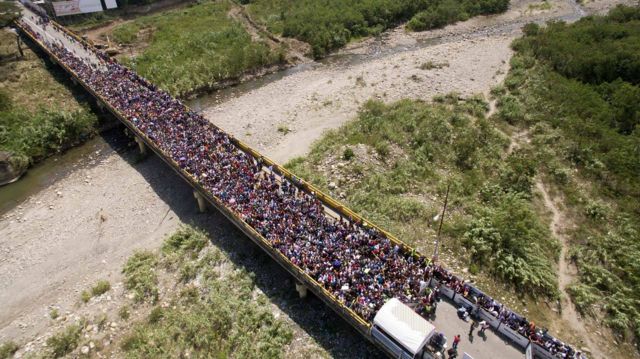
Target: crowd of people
{"type": "Point", "coordinates": [357, 264]}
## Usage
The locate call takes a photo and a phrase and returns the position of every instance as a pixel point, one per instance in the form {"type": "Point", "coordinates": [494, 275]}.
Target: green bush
{"type": "Point", "coordinates": [64, 342]}
{"type": "Point", "coordinates": [209, 47]}
{"type": "Point", "coordinates": [100, 288]}
{"type": "Point", "coordinates": [348, 154]}
{"type": "Point", "coordinates": [328, 25]}
{"type": "Point", "coordinates": [8, 349]}
{"type": "Point", "coordinates": [140, 276]}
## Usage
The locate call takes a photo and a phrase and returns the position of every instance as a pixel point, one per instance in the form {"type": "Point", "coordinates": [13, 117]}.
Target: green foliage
{"type": "Point", "coordinates": [8, 349]}
{"type": "Point", "coordinates": [9, 12]}
{"type": "Point", "coordinates": [40, 134]}
{"type": "Point", "coordinates": [209, 47]}
{"type": "Point", "coordinates": [54, 313]}
{"type": "Point", "coordinates": [5, 101]}
{"type": "Point", "coordinates": [140, 276]}
{"type": "Point", "coordinates": [124, 313]}
{"type": "Point", "coordinates": [582, 112]}
{"type": "Point", "coordinates": [85, 296]}
{"type": "Point", "coordinates": [126, 34]}
{"type": "Point", "coordinates": [100, 288]}
{"type": "Point", "coordinates": [509, 238]}
{"type": "Point", "coordinates": [328, 25]}
{"type": "Point", "coordinates": [219, 318]}
{"type": "Point", "coordinates": [348, 154]}
{"type": "Point", "coordinates": [64, 342]}
{"type": "Point", "coordinates": [443, 12]}
{"type": "Point", "coordinates": [501, 228]}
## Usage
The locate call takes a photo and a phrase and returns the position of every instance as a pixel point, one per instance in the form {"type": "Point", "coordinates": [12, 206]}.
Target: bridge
{"type": "Point", "coordinates": [351, 264]}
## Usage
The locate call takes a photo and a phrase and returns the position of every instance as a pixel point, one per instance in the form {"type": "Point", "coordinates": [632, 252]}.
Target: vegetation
{"type": "Point", "coordinates": [64, 342]}
{"type": "Point", "coordinates": [8, 349]}
{"type": "Point", "coordinates": [39, 116]}
{"type": "Point", "coordinates": [209, 47]}
{"type": "Point", "coordinates": [8, 12]}
{"type": "Point", "coordinates": [54, 313]}
{"type": "Point", "coordinates": [101, 287]}
{"type": "Point", "coordinates": [420, 147]}
{"type": "Point", "coordinates": [328, 25]}
{"type": "Point", "coordinates": [218, 318]}
{"type": "Point", "coordinates": [583, 116]}
{"type": "Point", "coordinates": [140, 276]}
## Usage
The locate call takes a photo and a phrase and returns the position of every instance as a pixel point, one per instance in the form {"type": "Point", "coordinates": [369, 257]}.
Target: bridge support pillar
{"type": "Point", "coordinates": [301, 289]}
{"type": "Point", "coordinates": [141, 145]}
{"type": "Point", "coordinates": [202, 202]}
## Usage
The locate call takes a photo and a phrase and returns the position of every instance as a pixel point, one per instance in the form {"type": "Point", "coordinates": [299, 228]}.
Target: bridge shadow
{"type": "Point", "coordinates": [311, 315]}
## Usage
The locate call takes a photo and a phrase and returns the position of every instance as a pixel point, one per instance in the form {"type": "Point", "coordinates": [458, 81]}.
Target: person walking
{"type": "Point", "coordinates": [456, 341]}
{"type": "Point", "coordinates": [483, 326]}
{"type": "Point", "coordinates": [474, 325]}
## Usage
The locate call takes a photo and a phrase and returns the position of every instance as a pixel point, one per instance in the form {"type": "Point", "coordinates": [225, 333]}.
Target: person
{"type": "Point", "coordinates": [452, 353]}
{"type": "Point", "coordinates": [474, 325]}
{"type": "Point", "coordinates": [483, 326]}
{"type": "Point", "coordinates": [456, 341]}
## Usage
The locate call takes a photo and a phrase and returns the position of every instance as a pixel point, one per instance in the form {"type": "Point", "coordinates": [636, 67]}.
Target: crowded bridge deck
{"type": "Point", "coordinates": [347, 261]}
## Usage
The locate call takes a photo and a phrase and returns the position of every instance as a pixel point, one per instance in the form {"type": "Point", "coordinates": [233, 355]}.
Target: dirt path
{"type": "Point", "coordinates": [566, 272]}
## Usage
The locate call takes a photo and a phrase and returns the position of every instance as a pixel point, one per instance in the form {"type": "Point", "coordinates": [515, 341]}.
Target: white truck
{"type": "Point", "coordinates": [404, 334]}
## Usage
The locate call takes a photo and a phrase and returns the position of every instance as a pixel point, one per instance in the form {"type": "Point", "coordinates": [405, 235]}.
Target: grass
{"type": "Point", "coordinates": [100, 288]}
{"type": "Point", "coordinates": [39, 115]}
{"type": "Point", "coordinates": [222, 317]}
{"type": "Point", "coordinates": [492, 215]}
{"type": "Point", "coordinates": [54, 313]}
{"type": "Point", "coordinates": [329, 25]}
{"type": "Point", "coordinates": [64, 342]}
{"type": "Point", "coordinates": [140, 276]}
{"type": "Point", "coordinates": [8, 349]}
{"type": "Point", "coordinates": [579, 113]}
{"type": "Point", "coordinates": [85, 296]}
{"type": "Point", "coordinates": [284, 129]}
{"type": "Point", "coordinates": [430, 65]}
{"type": "Point", "coordinates": [209, 47]}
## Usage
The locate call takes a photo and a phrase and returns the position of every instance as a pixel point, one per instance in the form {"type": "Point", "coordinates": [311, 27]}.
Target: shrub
{"type": "Point", "coordinates": [8, 349]}
{"type": "Point", "coordinates": [54, 314]}
{"type": "Point", "coordinates": [124, 313]}
{"type": "Point", "coordinates": [64, 342]}
{"type": "Point", "coordinates": [85, 296]}
{"type": "Point", "coordinates": [100, 288]}
{"type": "Point", "coordinates": [140, 276]}
{"type": "Point", "coordinates": [348, 154]}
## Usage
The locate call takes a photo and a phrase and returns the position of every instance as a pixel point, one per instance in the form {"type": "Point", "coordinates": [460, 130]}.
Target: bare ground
{"type": "Point", "coordinates": [63, 239]}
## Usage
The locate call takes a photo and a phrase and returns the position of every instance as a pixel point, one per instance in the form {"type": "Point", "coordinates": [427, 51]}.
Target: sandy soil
{"type": "Point", "coordinates": [63, 239]}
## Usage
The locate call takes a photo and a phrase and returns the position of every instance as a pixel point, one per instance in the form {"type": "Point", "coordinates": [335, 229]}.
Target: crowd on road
{"type": "Point", "coordinates": [357, 264]}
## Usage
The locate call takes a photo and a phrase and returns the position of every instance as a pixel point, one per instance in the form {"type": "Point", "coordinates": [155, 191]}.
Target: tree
{"type": "Point", "coordinates": [8, 13]}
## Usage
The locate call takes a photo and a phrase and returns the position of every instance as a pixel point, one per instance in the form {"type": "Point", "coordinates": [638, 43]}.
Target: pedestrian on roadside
{"type": "Point", "coordinates": [483, 326]}
{"type": "Point", "coordinates": [452, 353]}
{"type": "Point", "coordinates": [474, 325]}
{"type": "Point", "coordinates": [456, 341]}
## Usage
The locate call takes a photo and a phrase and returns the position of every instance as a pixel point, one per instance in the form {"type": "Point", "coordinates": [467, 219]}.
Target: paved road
{"type": "Point", "coordinates": [490, 347]}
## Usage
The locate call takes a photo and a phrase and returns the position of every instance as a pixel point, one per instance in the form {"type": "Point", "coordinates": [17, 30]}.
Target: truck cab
{"type": "Point", "coordinates": [404, 334]}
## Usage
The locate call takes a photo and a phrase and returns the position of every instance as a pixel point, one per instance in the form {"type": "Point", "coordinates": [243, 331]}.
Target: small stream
{"type": "Point", "coordinates": [57, 167]}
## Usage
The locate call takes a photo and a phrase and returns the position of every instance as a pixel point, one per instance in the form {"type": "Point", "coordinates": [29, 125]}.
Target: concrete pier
{"type": "Point", "coordinates": [202, 202]}
{"type": "Point", "coordinates": [302, 290]}
{"type": "Point", "coordinates": [141, 145]}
